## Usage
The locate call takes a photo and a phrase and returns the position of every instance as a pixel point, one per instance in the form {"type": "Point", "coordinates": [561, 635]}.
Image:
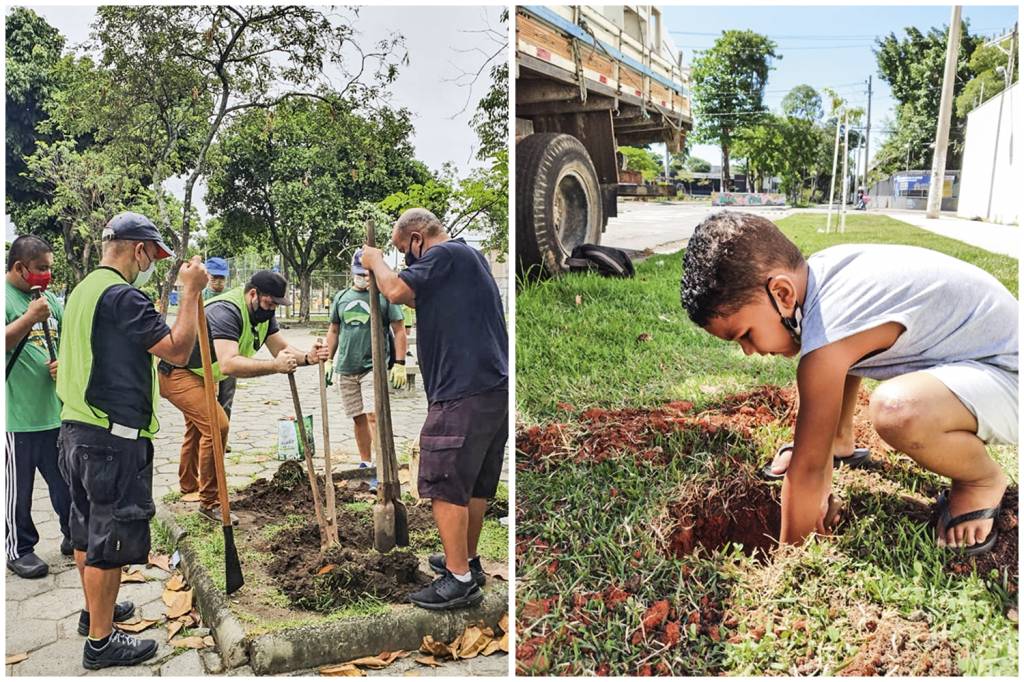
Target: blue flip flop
{"type": "Point", "coordinates": [854, 460]}
{"type": "Point", "coordinates": [947, 522]}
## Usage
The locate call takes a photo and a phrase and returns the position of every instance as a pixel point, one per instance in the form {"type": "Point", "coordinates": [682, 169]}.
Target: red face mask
{"type": "Point", "coordinates": [37, 279]}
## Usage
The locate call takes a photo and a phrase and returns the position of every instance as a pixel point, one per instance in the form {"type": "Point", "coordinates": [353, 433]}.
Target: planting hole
{"type": "Point", "coordinates": [746, 513]}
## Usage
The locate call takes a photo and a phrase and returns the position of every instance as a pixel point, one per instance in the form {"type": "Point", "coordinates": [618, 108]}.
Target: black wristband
{"type": "Point", "coordinates": [305, 356]}
{"type": "Point", "coordinates": [399, 362]}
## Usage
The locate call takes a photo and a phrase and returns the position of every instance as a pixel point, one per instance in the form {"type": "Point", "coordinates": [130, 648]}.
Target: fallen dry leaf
{"type": "Point", "coordinates": [422, 660]}
{"type": "Point", "coordinates": [492, 647]}
{"type": "Point", "coordinates": [503, 642]}
{"type": "Point", "coordinates": [137, 626]}
{"type": "Point", "coordinates": [132, 577]}
{"type": "Point", "coordinates": [208, 640]}
{"type": "Point", "coordinates": [341, 670]}
{"type": "Point", "coordinates": [161, 561]}
{"type": "Point", "coordinates": [373, 662]}
{"type": "Point", "coordinates": [176, 583]}
{"type": "Point", "coordinates": [579, 300]}
{"type": "Point", "coordinates": [472, 641]}
{"type": "Point", "coordinates": [503, 623]}
{"type": "Point", "coordinates": [439, 649]}
{"type": "Point", "coordinates": [188, 643]}
{"type": "Point", "coordinates": [326, 569]}
{"type": "Point", "coordinates": [173, 628]}
{"type": "Point", "coordinates": [180, 605]}
{"type": "Point", "coordinates": [13, 659]}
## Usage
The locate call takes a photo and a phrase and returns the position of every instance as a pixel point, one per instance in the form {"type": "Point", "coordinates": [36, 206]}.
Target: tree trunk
{"type": "Point", "coordinates": [305, 284]}
{"type": "Point", "coordinates": [726, 175]}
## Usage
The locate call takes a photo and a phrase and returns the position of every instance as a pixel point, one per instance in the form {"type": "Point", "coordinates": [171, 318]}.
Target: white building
{"type": "Point", "coordinates": [990, 181]}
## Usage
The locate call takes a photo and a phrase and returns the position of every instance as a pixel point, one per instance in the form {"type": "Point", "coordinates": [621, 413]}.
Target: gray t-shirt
{"type": "Point", "coordinates": [952, 310]}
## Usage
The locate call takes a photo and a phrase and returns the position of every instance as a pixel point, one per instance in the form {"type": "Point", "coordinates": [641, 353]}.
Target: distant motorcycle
{"type": "Point", "coordinates": [861, 204]}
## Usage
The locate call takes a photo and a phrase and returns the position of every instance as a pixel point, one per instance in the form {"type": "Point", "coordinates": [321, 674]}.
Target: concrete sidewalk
{"type": "Point", "coordinates": [1004, 239]}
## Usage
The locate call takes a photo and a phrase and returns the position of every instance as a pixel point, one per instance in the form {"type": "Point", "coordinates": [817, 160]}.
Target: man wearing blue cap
{"type": "Point", "coordinates": [107, 384]}
{"type": "Point", "coordinates": [350, 331]}
{"type": "Point", "coordinates": [218, 270]}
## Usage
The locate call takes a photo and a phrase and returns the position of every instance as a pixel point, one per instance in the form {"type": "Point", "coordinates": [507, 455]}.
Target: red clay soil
{"type": "Point", "coordinates": [901, 647]}
{"type": "Point", "coordinates": [744, 512]}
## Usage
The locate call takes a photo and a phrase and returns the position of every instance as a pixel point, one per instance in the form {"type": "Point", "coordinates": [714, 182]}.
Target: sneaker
{"type": "Point", "coordinates": [29, 566]}
{"type": "Point", "coordinates": [122, 612]}
{"type": "Point", "coordinates": [213, 513]}
{"type": "Point", "coordinates": [66, 548]}
{"type": "Point", "coordinates": [437, 565]}
{"type": "Point", "coordinates": [447, 592]}
{"type": "Point", "coordinates": [120, 649]}
{"type": "Point", "coordinates": [373, 485]}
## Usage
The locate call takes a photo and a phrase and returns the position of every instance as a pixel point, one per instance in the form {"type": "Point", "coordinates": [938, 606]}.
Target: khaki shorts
{"type": "Point", "coordinates": [356, 393]}
{"type": "Point", "coordinates": [989, 392]}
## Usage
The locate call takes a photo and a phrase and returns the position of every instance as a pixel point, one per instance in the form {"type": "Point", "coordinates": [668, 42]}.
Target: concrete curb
{"type": "Point", "coordinates": [211, 602]}
{"type": "Point", "coordinates": [402, 627]}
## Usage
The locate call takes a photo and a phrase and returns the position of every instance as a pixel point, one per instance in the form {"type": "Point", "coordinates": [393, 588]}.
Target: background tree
{"type": "Point", "coordinates": [728, 89]}
{"type": "Point", "coordinates": [803, 103]}
{"type": "Point", "coordinates": [643, 160]}
{"type": "Point", "coordinates": [240, 59]}
{"type": "Point", "coordinates": [913, 67]}
{"type": "Point", "coordinates": [304, 172]}
{"type": "Point", "coordinates": [989, 65]}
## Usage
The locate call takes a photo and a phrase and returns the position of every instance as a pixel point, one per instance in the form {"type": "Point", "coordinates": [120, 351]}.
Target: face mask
{"type": "Point", "coordinates": [37, 279]}
{"type": "Point", "coordinates": [258, 315]}
{"type": "Point", "coordinates": [361, 281]}
{"type": "Point", "coordinates": [409, 258]}
{"type": "Point", "coordinates": [144, 275]}
{"type": "Point", "coordinates": [792, 324]}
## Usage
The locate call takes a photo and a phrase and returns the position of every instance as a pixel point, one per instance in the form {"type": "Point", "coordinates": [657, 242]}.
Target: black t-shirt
{"type": "Point", "coordinates": [125, 327]}
{"type": "Point", "coordinates": [224, 321]}
{"type": "Point", "coordinates": [461, 340]}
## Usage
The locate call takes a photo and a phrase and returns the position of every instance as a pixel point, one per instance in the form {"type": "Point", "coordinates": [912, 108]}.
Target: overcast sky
{"type": "Point", "coordinates": [442, 43]}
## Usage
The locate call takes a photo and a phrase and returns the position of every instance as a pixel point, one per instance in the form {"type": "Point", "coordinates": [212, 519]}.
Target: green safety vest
{"type": "Point", "coordinates": [76, 358]}
{"type": "Point", "coordinates": [248, 343]}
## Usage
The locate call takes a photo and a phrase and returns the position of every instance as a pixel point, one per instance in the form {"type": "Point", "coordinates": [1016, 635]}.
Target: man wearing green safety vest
{"type": "Point", "coordinates": [240, 322]}
{"type": "Point", "coordinates": [107, 383]}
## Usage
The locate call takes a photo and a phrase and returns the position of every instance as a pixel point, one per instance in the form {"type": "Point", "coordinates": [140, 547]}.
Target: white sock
{"type": "Point", "coordinates": [465, 577]}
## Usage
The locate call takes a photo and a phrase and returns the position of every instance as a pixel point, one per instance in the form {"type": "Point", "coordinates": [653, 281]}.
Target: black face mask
{"type": "Point", "coordinates": [792, 324]}
{"type": "Point", "coordinates": [258, 315]}
{"type": "Point", "coordinates": [409, 258]}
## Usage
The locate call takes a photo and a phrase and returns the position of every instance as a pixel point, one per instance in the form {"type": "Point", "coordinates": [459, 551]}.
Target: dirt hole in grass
{"type": "Point", "coordinates": [740, 511]}
{"type": "Point", "coordinates": [278, 518]}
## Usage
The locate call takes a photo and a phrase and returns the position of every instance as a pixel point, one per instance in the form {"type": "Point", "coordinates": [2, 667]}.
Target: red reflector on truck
{"type": "Point", "coordinates": [543, 54]}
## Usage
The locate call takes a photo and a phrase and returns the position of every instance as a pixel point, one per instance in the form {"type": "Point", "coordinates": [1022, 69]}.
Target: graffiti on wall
{"type": "Point", "coordinates": [747, 199]}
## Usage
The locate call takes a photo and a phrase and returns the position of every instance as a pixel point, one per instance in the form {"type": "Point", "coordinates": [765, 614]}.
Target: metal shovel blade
{"type": "Point", "coordinates": [384, 539]}
{"type": "Point", "coordinates": [233, 579]}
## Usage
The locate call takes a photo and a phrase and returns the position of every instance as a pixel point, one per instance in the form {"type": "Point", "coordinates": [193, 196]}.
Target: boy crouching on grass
{"type": "Point", "coordinates": [940, 333]}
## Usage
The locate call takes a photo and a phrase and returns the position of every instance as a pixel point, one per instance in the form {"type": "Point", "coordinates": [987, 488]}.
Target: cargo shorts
{"type": "Point", "coordinates": [111, 484]}
{"type": "Point", "coordinates": [462, 447]}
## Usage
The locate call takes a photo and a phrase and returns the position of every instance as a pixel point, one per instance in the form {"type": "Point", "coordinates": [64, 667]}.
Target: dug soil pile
{"type": "Point", "coordinates": [899, 647]}
{"type": "Point", "coordinates": [278, 518]}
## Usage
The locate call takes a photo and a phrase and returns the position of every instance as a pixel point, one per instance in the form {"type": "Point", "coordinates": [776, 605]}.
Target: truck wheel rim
{"type": "Point", "coordinates": [571, 211]}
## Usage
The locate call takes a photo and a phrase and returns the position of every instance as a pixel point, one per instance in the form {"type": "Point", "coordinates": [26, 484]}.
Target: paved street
{"type": "Point", "coordinates": [666, 226]}
{"type": "Point", "coordinates": [41, 615]}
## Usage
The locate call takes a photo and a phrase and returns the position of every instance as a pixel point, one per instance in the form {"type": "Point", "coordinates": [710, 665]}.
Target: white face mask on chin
{"type": "Point", "coordinates": [144, 275]}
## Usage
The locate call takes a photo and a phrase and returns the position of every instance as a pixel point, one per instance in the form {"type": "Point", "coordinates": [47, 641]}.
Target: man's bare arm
{"type": "Point", "coordinates": [176, 347]}
{"type": "Point", "coordinates": [332, 340]}
{"type": "Point", "coordinates": [234, 364]}
{"type": "Point", "coordinates": [393, 287]}
{"type": "Point", "coordinates": [401, 339]}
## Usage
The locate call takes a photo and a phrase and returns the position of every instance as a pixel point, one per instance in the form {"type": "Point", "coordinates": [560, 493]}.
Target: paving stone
{"type": "Point", "coordinates": [18, 589]}
{"type": "Point", "coordinates": [187, 664]}
{"type": "Point", "coordinates": [27, 634]}
{"type": "Point", "coordinates": [68, 578]}
{"type": "Point", "coordinates": [243, 671]}
{"type": "Point", "coordinates": [54, 604]}
{"type": "Point", "coordinates": [141, 593]}
{"type": "Point", "coordinates": [63, 658]}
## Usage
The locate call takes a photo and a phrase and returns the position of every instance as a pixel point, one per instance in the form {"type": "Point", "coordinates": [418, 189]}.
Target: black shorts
{"type": "Point", "coordinates": [462, 447]}
{"type": "Point", "coordinates": [111, 483]}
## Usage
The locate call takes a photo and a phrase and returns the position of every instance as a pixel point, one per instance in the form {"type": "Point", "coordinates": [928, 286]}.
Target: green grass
{"type": "Point", "coordinates": [592, 526]}
{"type": "Point", "coordinates": [589, 354]}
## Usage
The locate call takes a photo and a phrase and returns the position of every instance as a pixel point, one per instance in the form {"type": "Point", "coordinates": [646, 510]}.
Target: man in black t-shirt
{"type": "Point", "coordinates": [240, 322]}
{"type": "Point", "coordinates": [462, 348]}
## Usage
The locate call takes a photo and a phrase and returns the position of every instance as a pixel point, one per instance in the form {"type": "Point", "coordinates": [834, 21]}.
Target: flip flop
{"type": "Point", "coordinates": [947, 522]}
{"type": "Point", "coordinates": [856, 459]}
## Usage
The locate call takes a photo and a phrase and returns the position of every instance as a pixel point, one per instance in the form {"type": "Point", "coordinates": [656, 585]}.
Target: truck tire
{"type": "Point", "coordinates": [558, 202]}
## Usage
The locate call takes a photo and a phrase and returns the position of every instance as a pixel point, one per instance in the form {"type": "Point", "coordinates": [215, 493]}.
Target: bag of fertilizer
{"type": "Point", "coordinates": [289, 442]}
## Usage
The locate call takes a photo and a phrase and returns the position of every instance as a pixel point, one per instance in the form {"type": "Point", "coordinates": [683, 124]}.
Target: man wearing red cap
{"type": "Point", "coordinates": [107, 383]}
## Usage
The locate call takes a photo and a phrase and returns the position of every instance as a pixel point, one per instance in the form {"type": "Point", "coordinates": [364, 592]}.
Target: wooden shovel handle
{"type": "Point", "coordinates": [212, 416]}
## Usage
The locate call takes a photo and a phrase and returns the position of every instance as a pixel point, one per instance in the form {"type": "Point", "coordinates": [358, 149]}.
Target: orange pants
{"type": "Point", "coordinates": [196, 471]}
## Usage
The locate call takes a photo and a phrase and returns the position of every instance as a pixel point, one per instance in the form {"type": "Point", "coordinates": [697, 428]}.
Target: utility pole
{"type": "Point", "coordinates": [832, 178]}
{"type": "Point", "coordinates": [867, 138]}
{"type": "Point", "coordinates": [945, 113]}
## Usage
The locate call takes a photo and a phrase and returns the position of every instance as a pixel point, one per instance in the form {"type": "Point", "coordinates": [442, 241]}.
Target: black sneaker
{"type": "Point", "coordinates": [29, 566]}
{"type": "Point", "coordinates": [66, 548]}
{"type": "Point", "coordinates": [122, 612]}
{"type": "Point", "coordinates": [437, 565]}
{"type": "Point", "coordinates": [213, 513]}
{"type": "Point", "coordinates": [121, 649]}
{"type": "Point", "coordinates": [447, 592]}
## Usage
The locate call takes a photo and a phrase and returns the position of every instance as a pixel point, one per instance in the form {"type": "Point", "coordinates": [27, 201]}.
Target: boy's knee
{"type": "Point", "coordinates": [898, 419]}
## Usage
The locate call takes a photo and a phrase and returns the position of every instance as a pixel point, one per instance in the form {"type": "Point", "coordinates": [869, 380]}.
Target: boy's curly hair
{"type": "Point", "coordinates": [727, 261]}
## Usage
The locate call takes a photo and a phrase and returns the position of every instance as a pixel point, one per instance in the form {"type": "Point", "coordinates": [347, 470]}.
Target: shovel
{"type": "Point", "coordinates": [233, 579]}
{"type": "Point", "coordinates": [390, 519]}
{"type": "Point", "coordinates": [37, 292]}
{"type": "Point", "coordinates": [307, 448]}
